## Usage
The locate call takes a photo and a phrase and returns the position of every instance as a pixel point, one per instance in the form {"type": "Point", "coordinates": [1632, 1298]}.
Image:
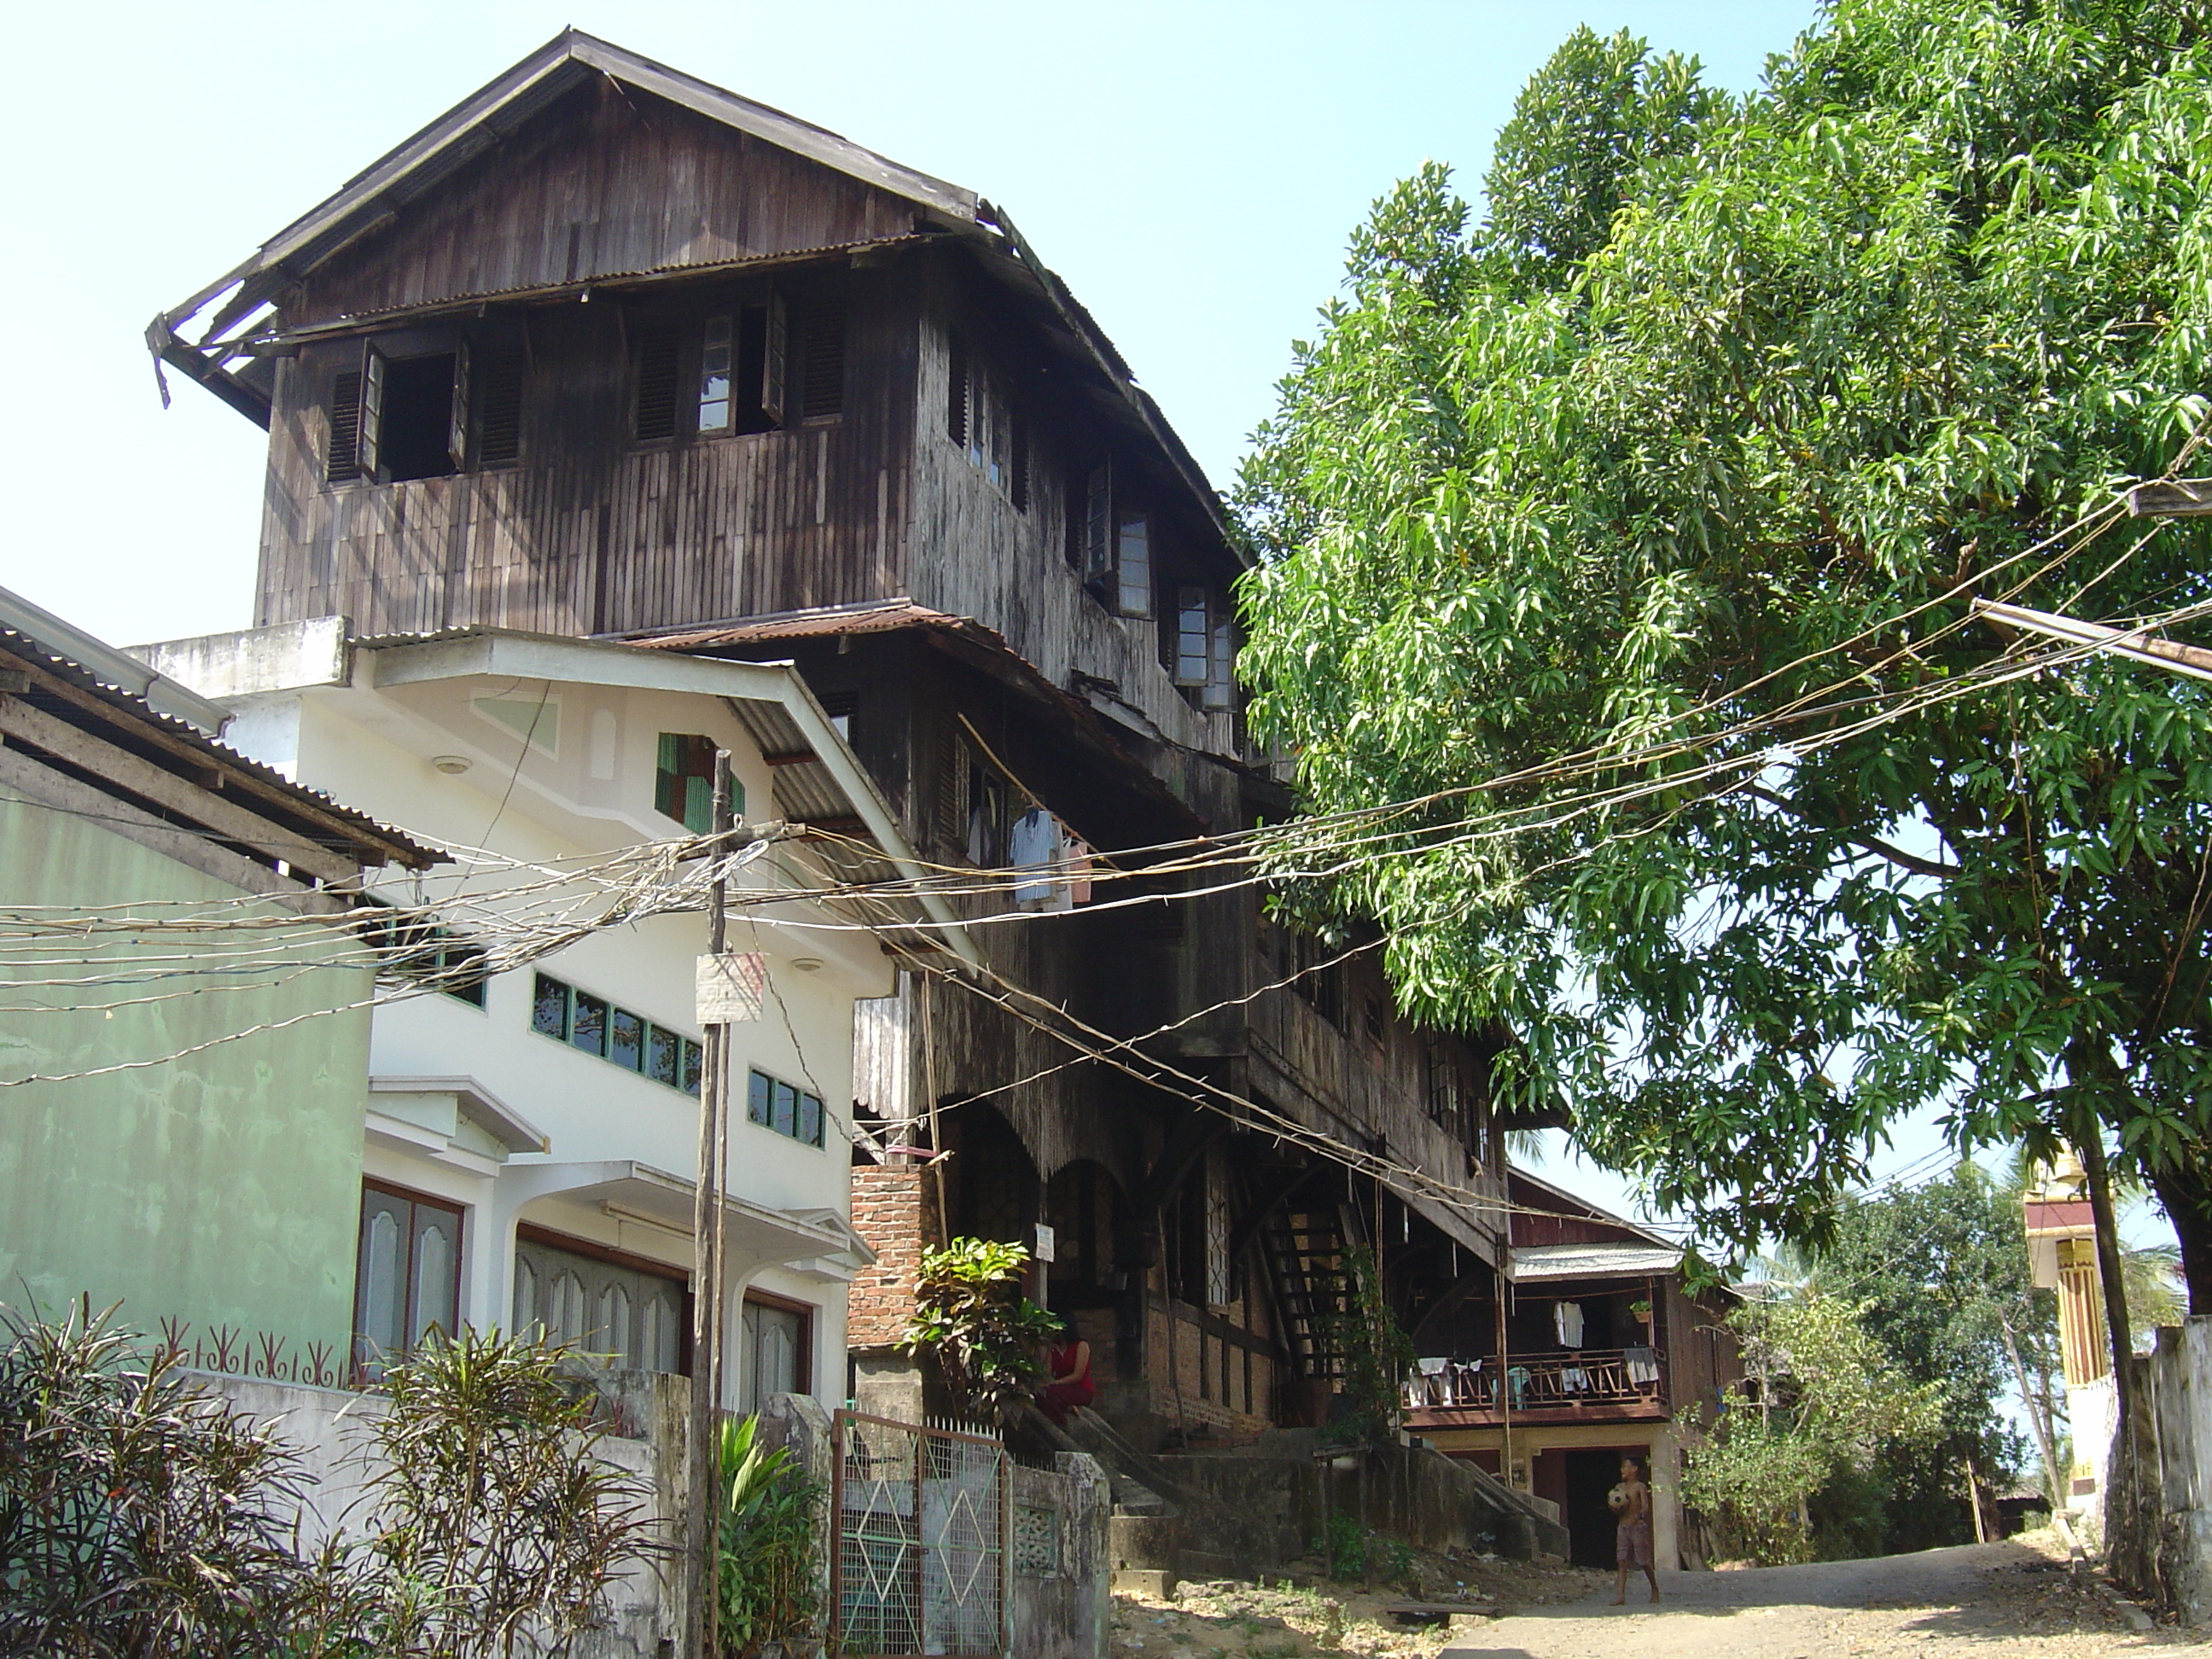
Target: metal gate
{"type": "Point", "coordinates": [920, 1563]}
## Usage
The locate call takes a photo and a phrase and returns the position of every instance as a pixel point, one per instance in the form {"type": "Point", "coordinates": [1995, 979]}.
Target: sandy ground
{"type": "Point", "coordinates": [2010, 1601]}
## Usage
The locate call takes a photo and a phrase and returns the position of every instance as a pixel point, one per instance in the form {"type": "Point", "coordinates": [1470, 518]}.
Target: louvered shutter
{"type": "Point", "coordinates": [956, 392]}
{"type": "Point", "coordinates": [372, 412]}
{"type": "Point", "coordinates": [658, 349]}
{"type": "Point", "coordinates": [821, 391]}
{"type": "Point", "coordinates": [457, 425]}
{"type": "Point", "coordinates": [1017, 483]}
{"type": "Point", "coordinates": [775, 364]}
{"type": "Point", "coordinates": [951, 804]}
{"type": "Point", "coordinates": [1098, 525]}
{"type": "Point", "coordinates": [499, 411]}
{"type": "Point", "coordinates": [341, 463]}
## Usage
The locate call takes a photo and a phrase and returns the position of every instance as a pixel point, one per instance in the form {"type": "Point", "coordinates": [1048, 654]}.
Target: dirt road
{"type": "Point", "coordinates": [2009, 1601]}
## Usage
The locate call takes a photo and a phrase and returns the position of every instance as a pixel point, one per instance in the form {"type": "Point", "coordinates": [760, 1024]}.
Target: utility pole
{"type": "Point", "coordinates": [709, 1216]}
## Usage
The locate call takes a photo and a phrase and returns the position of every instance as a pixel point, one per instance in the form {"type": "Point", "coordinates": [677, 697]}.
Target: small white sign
{"type": "Point", "coordinates": [1044, 1242]}
{"type": "Point", "coordinates": [732, 986]}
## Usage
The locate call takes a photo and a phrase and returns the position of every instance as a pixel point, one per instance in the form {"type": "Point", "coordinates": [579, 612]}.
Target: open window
{"type": "Point", "coordinates": [717, 376]}
{"type": "Point", "coordinates": [1205, 647]}
{"type": "Point", "coordinates": [1114, 545]}
{"type": "Point", "coordinates": [984, 424]}
{"type": "Point", "coordinates": [683, 781]}
{"type": "Point", "coordinates": [409, 413]}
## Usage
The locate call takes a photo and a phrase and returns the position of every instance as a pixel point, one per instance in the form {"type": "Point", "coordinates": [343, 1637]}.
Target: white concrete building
{"type": "Point", "coordinates": [532, 1135]}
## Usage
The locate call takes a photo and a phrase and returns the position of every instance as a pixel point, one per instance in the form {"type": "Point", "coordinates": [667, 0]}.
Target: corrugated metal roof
{"type": "Point", "coordinates": [468, 303]}
{"type": "Point", "coordinates": [1543, 1261]}
{"type": "Point", "coordinates": [23, 628]}
{"type": "Point", "coordinates": [871, 616]}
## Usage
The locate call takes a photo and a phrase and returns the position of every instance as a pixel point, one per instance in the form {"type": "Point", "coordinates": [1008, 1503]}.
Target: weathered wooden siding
{"type": "Point", "coordinates": [607, 181]}
{"type": "Point", "coordinates": [593, 532]}
{"type": "Point", "coordinates": [976, 555]}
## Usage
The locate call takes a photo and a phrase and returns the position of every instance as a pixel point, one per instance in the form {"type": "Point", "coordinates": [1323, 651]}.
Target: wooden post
{"type": "Point", "coordinates": [709, 1217]}
{"type": "Point", "coordinates": [1505, 1392]}
{"type": "Point", "coordinates": [1974, 1500]}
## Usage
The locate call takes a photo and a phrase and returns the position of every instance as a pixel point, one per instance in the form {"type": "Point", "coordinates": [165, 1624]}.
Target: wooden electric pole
{"type": "Point", "coordinates": [709, 1215]}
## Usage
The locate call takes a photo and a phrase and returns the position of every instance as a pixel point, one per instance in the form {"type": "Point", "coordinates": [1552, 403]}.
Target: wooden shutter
{"type": "Point", "coordinates": [343, 461]}
{"type": "Point", "coordinates": [822, 388]}
{"type": "Point", "coordinates": [956, 392]}
{"type": "Point", "coordinates": [372, 412]}
{"type": "Point", "coordinates": [1018, 483]}
{"type": "Point", "coordinates": [952, 801]}
{"type": "Point", "coordinates": [657, 355]}
{"type": "Point", "coordinates": [1098, 525]}
{"type": "Point", "coordinates": [457, 424]}
{"type": "Point", "coordinates": [499, 411]}
{"type": "Point", "coordinates": [775, 359]}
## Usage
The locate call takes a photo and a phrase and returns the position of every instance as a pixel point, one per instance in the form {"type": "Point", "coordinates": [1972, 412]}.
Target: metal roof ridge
{"type": "Point", "coordinates": [115, 669]}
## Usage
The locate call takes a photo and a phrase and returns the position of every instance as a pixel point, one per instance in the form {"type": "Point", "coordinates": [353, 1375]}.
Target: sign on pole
{"type": "Point", "coordinates": [731, 988]}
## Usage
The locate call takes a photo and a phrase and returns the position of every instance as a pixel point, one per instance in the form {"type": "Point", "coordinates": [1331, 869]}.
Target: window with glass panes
{"type": "Point", "coordinates": [611, 1308]}
{"type": "Point", "coordinates": [783, 1107]}
{"type": "Point", "coordinates": [407, 1274]}
{"type": "Point", "coordinates": [683, 783]}
{"type": "Point", "coordinates": [583, 1020]}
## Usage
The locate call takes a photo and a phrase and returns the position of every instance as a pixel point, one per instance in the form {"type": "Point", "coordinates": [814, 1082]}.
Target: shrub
{"type": "Point", "coordinates": [140, 1514]}
{"type": "Point", "coordinates": [971, 1318]}
{"type": "Point", "coordinates": [769, 1583]}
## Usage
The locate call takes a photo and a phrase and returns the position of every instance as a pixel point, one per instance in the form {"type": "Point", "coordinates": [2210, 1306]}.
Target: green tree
{"type": "Point", "coordinates": [1823, 1404]}
{"type": "Point", "coordinates": [1643, 563]}
{"type": "Point", "coordinates": [1941, 1274]}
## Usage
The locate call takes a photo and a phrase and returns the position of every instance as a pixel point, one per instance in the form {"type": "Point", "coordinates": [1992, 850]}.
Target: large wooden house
{"type": "Point", "coordinates": [608, 351]}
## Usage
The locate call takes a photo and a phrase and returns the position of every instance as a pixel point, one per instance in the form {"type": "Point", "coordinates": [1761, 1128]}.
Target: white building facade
{"type": "Point", "coordinates": [532, 1135]}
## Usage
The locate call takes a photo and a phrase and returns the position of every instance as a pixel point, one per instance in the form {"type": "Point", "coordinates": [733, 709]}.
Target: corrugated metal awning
{"type": "Point", "coordinates": [1532, 1262]}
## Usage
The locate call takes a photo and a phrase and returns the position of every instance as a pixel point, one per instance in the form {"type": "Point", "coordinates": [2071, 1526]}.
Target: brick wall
{"type": "Point", "coordinates": [891, 1209]}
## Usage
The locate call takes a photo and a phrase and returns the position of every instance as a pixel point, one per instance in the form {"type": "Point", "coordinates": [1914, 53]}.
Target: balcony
{"type": "Point", "coordinates": [1595, 1385]}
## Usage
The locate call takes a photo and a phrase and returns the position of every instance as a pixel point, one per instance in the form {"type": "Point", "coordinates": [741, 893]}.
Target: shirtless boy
{"type": "Point", "coordinates": [1632, 1538]}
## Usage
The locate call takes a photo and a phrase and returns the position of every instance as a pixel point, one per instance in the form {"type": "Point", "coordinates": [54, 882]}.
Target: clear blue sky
{"type": "Point", "coordinates": [1191, 170]}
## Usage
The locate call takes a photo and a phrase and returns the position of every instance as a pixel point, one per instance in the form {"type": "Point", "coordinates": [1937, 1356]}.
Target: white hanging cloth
{"type": "Point", "coordinates": [1567, 1323]}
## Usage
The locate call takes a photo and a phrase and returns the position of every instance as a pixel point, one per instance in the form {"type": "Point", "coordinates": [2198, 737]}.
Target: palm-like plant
{"type": "Point", "coordinates": [768, 1580]}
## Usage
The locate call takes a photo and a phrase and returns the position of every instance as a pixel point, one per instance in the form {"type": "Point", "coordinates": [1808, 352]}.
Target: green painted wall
{"type": "Point", "coordinates": [224, 1188]}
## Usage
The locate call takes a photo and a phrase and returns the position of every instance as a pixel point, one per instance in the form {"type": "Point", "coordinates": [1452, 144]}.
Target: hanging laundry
{"type": "Point", "coordinates": [1034, 844]}
{"type": "Point", "coordinates": [1567, 1323]}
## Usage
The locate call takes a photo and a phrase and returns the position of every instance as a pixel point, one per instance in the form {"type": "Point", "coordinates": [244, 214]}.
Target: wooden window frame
{"type": "Point", "coordinates": [807, 1311]}
{"type": "Point", "coordinates": [530, 1232]}
{"type": "Point", "coordinates": [411, 1197]}
{"type": "Point", "coordinates": [689, 1050]}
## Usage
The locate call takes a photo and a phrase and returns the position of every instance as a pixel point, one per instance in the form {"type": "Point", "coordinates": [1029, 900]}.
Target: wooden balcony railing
{"type": "Point", "coordinates": [1593, 1379]}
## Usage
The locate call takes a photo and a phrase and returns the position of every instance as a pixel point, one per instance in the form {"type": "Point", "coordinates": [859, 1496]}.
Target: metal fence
{"type": "Point", "coordinates": [920, 1563]}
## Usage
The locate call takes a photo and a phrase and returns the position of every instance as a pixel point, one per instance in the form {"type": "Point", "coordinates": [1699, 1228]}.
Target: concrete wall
{"type": "Point", "coordinates": [221, 1187]}
{"type": "Point", "coordinates": [329, 1429]}
{"type": "Point", "coordinates": [1246, 1513]}
{"type": "Point", "coordinates": [1060, 1598]}
{"type": "Point", "coordinates": [2158, 1513]}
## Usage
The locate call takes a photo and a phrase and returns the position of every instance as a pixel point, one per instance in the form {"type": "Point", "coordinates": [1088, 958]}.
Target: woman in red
{"type": "Point", "coordinates": [1068, 1366]}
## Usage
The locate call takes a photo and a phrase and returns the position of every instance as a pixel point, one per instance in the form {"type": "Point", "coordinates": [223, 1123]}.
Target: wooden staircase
{"type": "Point", "coordinates": [1305, 1253]}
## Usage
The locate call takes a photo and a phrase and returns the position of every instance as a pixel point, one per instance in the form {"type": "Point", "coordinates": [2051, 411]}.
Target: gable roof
{"type": "Point", "coordinates": [119, 729]}
{"type": "Point", "coordinates": [1532, 1193]}
{"type": "Point", "coordinates": [231, 316]}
